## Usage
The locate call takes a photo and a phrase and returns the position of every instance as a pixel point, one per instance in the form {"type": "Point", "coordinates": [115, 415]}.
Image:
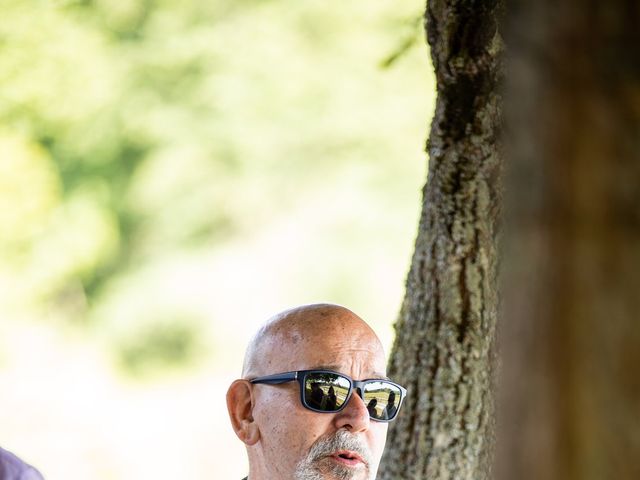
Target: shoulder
{"type": "Point", "coordinates": [12, 468]}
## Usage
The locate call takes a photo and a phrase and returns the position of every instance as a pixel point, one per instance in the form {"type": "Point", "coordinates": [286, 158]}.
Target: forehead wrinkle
{"type": "Point", "coordinates": [346, 356]}
{"type": "Point", "coordinates": [336, 368]}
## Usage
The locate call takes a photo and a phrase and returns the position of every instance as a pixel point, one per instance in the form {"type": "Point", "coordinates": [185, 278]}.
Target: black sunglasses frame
{"type": "Point", "coordinates": [358, 385]}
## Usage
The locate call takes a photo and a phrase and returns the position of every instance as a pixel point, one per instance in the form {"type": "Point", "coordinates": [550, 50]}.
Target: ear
{"type": "Point", "coordinates": [240, 404]}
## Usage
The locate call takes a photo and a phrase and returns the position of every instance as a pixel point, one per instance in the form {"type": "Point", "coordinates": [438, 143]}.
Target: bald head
{"type": "Point", "coordinates": [276, 347]}
{"type": "Point", "coordinates": [285, 437]}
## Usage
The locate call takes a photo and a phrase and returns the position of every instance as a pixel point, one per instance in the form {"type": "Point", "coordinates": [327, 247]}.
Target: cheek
{"type": "Point", "coordinates": [287, 429]}
{"type": "Point", "coordinates": [378, 439]}
{"type": "Point", "coordinates": [273, 411]}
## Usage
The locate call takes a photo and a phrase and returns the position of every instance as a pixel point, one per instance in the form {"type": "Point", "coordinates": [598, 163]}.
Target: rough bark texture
{"type": "Point", "coordinates": [571, 335]}
{"type": "Point", "coordinates": [443, 352]}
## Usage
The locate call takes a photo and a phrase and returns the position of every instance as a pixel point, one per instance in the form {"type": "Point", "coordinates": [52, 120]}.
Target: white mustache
{"type": "Point", "coordinates": [341, 440]}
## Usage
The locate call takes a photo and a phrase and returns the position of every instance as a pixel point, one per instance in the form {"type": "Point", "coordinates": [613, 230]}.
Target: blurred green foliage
{"type": "Point", "coordinates": [160, 346]}
{"type": "Point", "coordinates": [133, 131]}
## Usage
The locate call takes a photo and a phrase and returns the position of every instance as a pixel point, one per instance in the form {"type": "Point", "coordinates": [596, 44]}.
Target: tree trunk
{"type": "Point", "coordinates": [571, 335]}
{"type": "Point", "coordinates": [444, 347]}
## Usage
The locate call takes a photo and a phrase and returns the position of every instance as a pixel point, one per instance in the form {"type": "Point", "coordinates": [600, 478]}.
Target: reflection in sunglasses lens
{"type": "Point", "coordinates": [381, 399]}
{"type": "Point", "coordinates": [325, 391]}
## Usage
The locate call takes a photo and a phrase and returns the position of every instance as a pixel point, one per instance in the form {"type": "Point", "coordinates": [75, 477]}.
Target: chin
{"type": "Point", "coordinates": [334, 469]}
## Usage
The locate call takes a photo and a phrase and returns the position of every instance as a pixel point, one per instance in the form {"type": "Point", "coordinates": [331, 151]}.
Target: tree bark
{"type": "Point", "coordinates": [444, 347]}
{"type": "Point", "coordinates": [570, 400]}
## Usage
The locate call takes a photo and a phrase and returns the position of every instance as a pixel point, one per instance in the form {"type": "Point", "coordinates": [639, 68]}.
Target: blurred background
{"type": "Point", "coordinates": [171, 174]}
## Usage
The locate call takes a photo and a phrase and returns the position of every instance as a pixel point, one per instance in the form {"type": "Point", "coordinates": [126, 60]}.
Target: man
{"type": "Point", "coordinates": [12, 468]}
{"type": "Point", "coordinates": [274, 410]}
{"type": "Point", "coordinates": [391, 409]}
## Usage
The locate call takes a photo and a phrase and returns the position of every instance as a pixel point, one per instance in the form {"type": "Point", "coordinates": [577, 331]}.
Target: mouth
{"type": "Point", "coordinates": [347, 458]}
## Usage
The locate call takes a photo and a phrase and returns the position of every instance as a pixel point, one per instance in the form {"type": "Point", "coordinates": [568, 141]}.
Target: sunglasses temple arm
{"type": "Point", "coordinates": [276, 379]}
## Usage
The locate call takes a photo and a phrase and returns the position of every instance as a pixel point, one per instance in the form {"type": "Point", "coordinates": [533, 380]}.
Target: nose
{"type": "Point", "coordinates": [354, 416]}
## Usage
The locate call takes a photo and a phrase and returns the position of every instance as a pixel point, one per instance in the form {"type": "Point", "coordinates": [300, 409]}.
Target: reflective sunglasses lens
{"type": "Point", "coordinates": [326, 392]}
{"type": "Point", "coordinates": [382, 400]}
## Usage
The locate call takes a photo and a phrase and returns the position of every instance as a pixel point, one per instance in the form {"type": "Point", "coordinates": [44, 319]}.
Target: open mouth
{"type": "Point", "coordinates": [348, 458]}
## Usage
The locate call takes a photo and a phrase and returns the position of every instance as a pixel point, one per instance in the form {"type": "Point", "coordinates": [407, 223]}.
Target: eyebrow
{"type": "Point", "coordinates": [336, 368]}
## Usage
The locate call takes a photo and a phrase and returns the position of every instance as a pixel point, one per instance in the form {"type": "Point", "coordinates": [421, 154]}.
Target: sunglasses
{"type": "Point", "coordinates": [326, 391]}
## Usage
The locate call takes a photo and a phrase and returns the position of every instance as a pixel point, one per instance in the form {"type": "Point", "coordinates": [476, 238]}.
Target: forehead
{"type": "Point", "coordinates": [354, 351]}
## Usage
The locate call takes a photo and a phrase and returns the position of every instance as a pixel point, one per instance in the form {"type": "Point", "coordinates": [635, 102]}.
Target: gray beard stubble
{"type": "Point", "coordinates": [308, 469]}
